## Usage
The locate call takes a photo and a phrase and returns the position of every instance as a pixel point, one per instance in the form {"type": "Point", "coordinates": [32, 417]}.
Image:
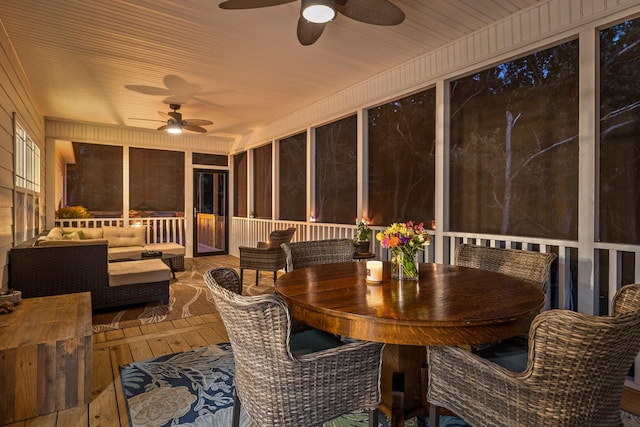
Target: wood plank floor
{"type": "Point", "coordinates": [114, 348]}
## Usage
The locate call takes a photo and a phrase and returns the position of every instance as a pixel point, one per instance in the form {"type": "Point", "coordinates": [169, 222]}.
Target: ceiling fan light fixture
{"type": "Point", "coordinates": [318, 11]}
{"type": "Point", "coordinates": [174, 127]}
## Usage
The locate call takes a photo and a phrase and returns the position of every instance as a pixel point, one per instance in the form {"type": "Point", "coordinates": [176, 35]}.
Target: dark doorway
{"type": "Point", "coordinates": [210, 212]}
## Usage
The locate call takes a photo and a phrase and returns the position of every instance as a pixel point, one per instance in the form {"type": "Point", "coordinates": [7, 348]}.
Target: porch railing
{"type": "Point", "coordinates": [159, 229]}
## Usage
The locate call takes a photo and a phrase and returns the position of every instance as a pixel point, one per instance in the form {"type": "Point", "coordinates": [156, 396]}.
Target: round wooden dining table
{"type": "Point", "coordinates": [448, 305]}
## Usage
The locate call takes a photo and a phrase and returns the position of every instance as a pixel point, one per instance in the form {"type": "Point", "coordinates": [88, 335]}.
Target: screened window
{"type": "Point", "coordinates": [336, 172]}
{"type": "Point", "coordinates": [95, 180]}
{"type": "Point", "coordinates": [514, 147]}
{"type": "Point", "coordinates": [292, 177]}
{"type": "Point", "coordinates": [401, 160]}
{"type": "Point", "coordinates": [240, 184]}
{"type": "Point", "coordinates": [209, 159]}
{"type": "Point", "coordinates": [27, 185]}
{"type": "Point", "coordinates": [27, 157]}
{"type": "Point", "coordinates": [156, 182]}
{"type": "Point", "coordinates": [262, 181]}
{"type": "Point", "coordinates": [619, 189]}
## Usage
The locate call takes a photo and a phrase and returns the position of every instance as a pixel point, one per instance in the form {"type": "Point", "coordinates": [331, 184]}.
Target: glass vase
{"type": "Point", "coordinates": [404, 266]}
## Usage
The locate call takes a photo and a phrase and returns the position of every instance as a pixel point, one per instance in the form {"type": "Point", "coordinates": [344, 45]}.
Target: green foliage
{"type": "Point", "coordinates": [72, 212]}
{"type": "Point", "coordinates": [363, 231]}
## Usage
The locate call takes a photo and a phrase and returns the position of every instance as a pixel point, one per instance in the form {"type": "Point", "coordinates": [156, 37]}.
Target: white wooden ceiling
{"type": "Point", "coordinates": [86, 60]}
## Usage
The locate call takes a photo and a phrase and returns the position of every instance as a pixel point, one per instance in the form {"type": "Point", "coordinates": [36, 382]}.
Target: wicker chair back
{"type": "Point", "coordinates": [279, 389]}
{"type": "Point", "coordinates": [267, 256]}
{"type": "Point", "coordinates": [577, 365]}
{"type": "Point", "coordinates": [534, 267]}
{"type": "Point", "coordinates": [278, 237]}
{"type": "Point", "coordinates": [225, 277]}
{"type": "Point", "coordinates": [303, 254]}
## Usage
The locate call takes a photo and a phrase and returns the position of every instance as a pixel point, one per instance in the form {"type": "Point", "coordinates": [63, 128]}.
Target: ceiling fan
{"type": "Point", "coordinates": [315, 14]}
{"type": "Point", "coordinates": [174, 123]}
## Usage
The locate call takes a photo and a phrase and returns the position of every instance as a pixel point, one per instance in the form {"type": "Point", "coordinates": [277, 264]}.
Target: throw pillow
{"type": "Point", "coordinates": [75, 235]}
{"type": "Point", "coordinates": [55, 233]}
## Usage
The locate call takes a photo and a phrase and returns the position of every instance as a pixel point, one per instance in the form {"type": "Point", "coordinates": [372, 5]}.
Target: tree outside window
{"type": "Point", "coordinates": [336, 172]}
{"type": "Point", "coordinates": [401, 159]}
{"type": "Point", "coordinates": [95, 180]}
{"type": "Point", "coordinates": [514, 147]}
{"type": "Point", "coordinates": [292, 177]}
{"type": "Point", "coordinates": [240, 184]}
{"type": "Point", "coordinates": [262, 182]}
{"type": "Point", "coordinates": [619, 184]}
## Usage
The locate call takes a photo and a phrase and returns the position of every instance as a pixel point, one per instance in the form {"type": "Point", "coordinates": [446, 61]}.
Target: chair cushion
{"type": "Point", "coordinates": [312, 340]}
{"type": "Point", "coordinates": [507, 354]}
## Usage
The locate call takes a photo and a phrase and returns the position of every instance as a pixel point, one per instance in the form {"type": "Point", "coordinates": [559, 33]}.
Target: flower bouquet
{"type": "Point", "coordinates": [404, 240]}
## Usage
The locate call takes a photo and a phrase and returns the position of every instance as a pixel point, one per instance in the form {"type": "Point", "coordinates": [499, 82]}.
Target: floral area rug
{"type": "Point", "coordinates": [188, 296]}
{"type": "Point", "coordinates": [195, 388]}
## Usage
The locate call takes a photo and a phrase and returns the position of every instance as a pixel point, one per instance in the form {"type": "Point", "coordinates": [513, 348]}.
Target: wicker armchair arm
{"type": "Point", "coordinates": [353, 352]}
{"type": "Point", "coordinates": [574, 376]}
{"type": "Point", "coordinates": [472, 387]}
{"type": "Point", "coordinates": [315, 387]}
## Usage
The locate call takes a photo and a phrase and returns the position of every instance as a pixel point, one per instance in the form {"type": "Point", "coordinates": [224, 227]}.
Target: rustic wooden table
{"type": "Point", "coordinates": [45, 356]}
{"type": "Point", "coordinates": [449, 305]}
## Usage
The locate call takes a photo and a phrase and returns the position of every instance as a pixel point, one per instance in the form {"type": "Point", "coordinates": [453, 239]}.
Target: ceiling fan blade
{"type": "Point", "coordinates": [251, 4]}
{"type": "Point", "coordinates": [148, 90]}
{"type": "Point", "coordinates": [163, 127]}
{"type": "Point", "coordinates": [198, 122]}
{"type": "Point", "coordinates": [309, 32]}
{"type": "Point", "coordinates": [194, 128]}
{"type": "Point", "coordinates": [377, 12]}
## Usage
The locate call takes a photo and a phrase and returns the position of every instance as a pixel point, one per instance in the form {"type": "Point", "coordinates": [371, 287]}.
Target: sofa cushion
{"type": "Point", "coordinates": [88, 233]}
{"type": "Point", "coordinates": [166, 248]}
{"type": "Point", "coordinates": [124, 236]}
{"type": "Point", "coordinates": [125, 252]}
{"type": "Point", "coordinates": [137, 272]}
{"type": "Point", "coordinates": [69, 242]}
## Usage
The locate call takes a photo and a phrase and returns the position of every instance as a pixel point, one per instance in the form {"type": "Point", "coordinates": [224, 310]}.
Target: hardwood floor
{"type": "Point", "coordinates": [114, 348]}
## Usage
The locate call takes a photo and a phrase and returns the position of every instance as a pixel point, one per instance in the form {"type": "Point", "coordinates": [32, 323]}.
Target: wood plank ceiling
{"type": "Point", "coordinates": [87, 60]}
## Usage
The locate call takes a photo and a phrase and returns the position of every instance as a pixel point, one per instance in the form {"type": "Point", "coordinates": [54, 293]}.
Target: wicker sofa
{"type": "Point", "coordinates": [43, 267]}
{"type": "Point", "coordinates": [124, 243]}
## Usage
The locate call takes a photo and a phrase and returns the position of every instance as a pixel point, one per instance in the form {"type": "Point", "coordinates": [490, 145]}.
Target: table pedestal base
{"type": "Point", "coordinates": [403, 382]}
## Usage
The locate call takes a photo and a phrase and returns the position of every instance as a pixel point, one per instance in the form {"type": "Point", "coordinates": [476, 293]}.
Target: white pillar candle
{"type": "Point", "coordinates": [374, 271]}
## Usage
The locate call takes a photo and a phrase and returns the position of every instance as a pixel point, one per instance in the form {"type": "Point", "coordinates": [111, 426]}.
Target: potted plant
{"type": "Point", "coordinates": [363, 234]}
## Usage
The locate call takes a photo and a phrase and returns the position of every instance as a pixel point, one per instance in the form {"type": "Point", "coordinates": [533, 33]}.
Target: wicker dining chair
{"type": "Point", "coordinates": [304, 254]}
{"type": "Point", "coordinates": [278, 386]}
{"type": "Point", "coordinates": [266, 256]}
{"type": "Point", "coordinates": [574, 375]}
{"type": "Point", "coordinates": [533, 267]}
{"type": "Point", "coordinates": [530, 266]}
